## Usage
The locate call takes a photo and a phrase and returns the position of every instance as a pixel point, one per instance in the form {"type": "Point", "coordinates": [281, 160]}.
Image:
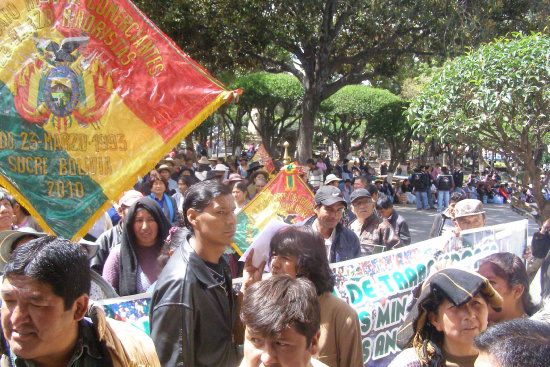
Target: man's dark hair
{"type": "Point", "coordinates": [517, 343]}
{"type": "Point", "coordinates": [456, 197]}
{"type": "Point", "coordinates": [55, 261]}
{"type": "Point", "coordinates": [23, 210]}
{"type": "Point", "coordinates": [372, 189]}
{"type": "Point", "coordinates": [200, 195]}
{"type": "Point", "coordinates": [187, 180]}
{"type": "Point", "coordinates": [272, 305]}
{"type": "Point", "coordinates": [383, 202]}
{"type": "Point", "coordinates": [445, 170]}
{"type": "Point", "coordinates": [6, 196]}
{"type": "Point", "coordinates": [309, 247]}
{"type": "Point", "coordinates": [310, 161]}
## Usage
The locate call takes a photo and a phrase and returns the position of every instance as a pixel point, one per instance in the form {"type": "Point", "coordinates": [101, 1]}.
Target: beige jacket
{"type": "Point", "coordinates": [128, 346]}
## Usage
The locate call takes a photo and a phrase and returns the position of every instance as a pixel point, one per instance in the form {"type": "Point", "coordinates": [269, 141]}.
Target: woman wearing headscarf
{"type": "Point", "coordinates": [132, 266]}
{"type": "Point", "coordinates": [446, 312]}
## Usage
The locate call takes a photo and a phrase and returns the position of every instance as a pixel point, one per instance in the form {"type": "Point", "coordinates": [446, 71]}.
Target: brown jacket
{"type": "Point", "coordinates": [340, 342]}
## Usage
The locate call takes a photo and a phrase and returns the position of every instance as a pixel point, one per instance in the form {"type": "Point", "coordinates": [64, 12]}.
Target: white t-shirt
{"type": "Point", "coordinates": [328, 241]}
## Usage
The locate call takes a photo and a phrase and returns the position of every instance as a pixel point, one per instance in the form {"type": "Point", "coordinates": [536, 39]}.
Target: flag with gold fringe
{"type": "Point", "coordinates": [285, 197]}
{"type": "Point", "coordinates": [92, 95]}
{"type": "Point", "coordinates": [263, 157]}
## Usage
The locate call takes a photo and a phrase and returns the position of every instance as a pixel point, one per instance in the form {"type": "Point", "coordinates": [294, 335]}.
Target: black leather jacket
{"type": "Point", "coordinates": [191, 317]}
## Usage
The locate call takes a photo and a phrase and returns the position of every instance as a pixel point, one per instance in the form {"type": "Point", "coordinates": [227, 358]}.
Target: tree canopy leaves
{"type": "Point", "coordinates": [277, 98]}
{"type": "Point", "coordinates": [362, 112]}
{"type": "Point", "coordinates": [496, 97]}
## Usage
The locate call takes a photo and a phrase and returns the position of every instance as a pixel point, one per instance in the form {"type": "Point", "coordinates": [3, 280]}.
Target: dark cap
{"type": "Point", "coordinates": [254, 165]}
{"type": "Point", "coordinates": [359, 193]}
{"type": "Point", "coordinates": [210, 175]}
{"type": "Point", "coordinates": [328, 195]}
{"type": "Point", "coordinates": [456, 285]}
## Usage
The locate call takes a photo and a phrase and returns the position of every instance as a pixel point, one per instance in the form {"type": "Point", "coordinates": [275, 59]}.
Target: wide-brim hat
{"type": "Point", "coordinates": [458, 286]}
{"type": "Point", "coordinates": [204, 160]}
{"type": "Point", "coordinates": [165, 167]}
{"type": "Point", "coordinates": [10, 237]}
{"type": "Point", "coordinates": [91, 247]}
{"type": "Point", "coordinates": [213, 174]}
{"type": "Point", "coordinates": [169, 161]}
{"type": "Point", "coordinates": [234, 177]}
{"type": "Point", "coordinates": [328, 195]}
{"type": "Point", "coordinates": [258, 173]}
{"type": "Point", "coordinates": [331, 178]}
{"type": "Point", "coordinates": [220, 168]}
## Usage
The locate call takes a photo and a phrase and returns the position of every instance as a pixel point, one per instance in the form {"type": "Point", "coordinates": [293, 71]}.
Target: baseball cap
{"type": "Point", "coordinates": [331, 178]}
{"type": "Point", "coordinates": [328, 195]}
{"type": "Point", "coordinates": [468, 207]}
{"type": "Point", "coordinates": [129, 198]}
{"type": "Point", "coordinates": [359, 193]}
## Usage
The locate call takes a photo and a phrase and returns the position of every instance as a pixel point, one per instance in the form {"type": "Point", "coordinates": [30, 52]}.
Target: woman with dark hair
{"type": "Point", "coordinates": [184, 183]}
{"type": "Point", "coordinates": [240, 193]}
{"type": "Point", "coordinates": [446, 312]}
{"type": "Point", "coordinates": [507, 274]}
{"type": "Point", "coordinates": [132, 265]}
{"type": "Point", "coordinates": [168, 205]}
{"type": "Point", "coordinates": [193, 308]}
{"type": "Point", "coordinates": [6, 211]}
{"type": "Point", "coordinates": [300, 252]}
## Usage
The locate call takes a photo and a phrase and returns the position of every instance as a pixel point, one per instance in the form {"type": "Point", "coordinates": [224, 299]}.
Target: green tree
{"type": "Point", "coordinates": [496, 97]}
{"type": "Point", "coordinates": [391, 125]}
{"type": "Point", "coordinates": [328, 44]}
{"type": "Point", "coordinates": [277, 98]}
{"type": "Point", "coordinates": [358, 112]}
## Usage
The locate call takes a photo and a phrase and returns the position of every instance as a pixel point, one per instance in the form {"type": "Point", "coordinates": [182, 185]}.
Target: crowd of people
{"type": "Point", "coordinates": [170, 235]}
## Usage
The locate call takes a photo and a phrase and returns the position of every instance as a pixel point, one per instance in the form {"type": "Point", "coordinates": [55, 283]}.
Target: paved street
{"type": "Point", "coordinates": [420, 221]}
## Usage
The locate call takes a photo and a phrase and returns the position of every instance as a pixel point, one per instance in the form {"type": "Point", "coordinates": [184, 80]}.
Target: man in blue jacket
{"type": "Point", "coordinates": [341, 243]}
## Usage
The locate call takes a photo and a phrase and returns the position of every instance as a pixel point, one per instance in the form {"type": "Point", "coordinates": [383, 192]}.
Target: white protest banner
{"type": "Point", "coordinates": [378, 286]}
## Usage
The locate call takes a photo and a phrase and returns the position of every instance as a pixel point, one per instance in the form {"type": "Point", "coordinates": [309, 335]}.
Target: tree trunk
{"type": "Point", "coordinates": [189, 142]}
{"type": "Point", "coordinates": [305, 133]}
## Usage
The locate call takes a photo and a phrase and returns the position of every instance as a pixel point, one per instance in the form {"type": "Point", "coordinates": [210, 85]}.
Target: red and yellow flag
{"type": "Point", "coordinates": [285, 197]}
{"type": "Point", "coordinates": [263, 157]}
{"type": "Point", "coordinates": [92, 95]}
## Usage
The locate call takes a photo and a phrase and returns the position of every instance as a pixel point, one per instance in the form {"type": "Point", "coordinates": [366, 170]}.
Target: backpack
{"type": "Point", "coordinates": [444, 183]}
{"type": "Point", "coordinates": [419, 182]}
